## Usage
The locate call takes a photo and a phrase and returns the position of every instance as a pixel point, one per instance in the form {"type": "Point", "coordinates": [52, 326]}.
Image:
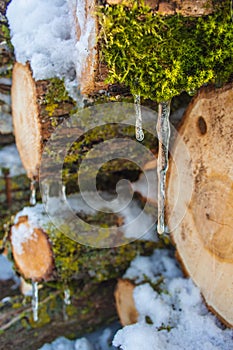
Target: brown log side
{"type": "Point", "coordinates": [204, 237]}
{"type": "Point", "coordinates": [91, 306]}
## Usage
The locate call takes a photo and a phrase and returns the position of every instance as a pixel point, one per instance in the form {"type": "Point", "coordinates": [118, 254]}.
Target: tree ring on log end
{"type": "Point", "coordinates": [212, 211]}
{"type": "Point", "coordinates": [204, 237]}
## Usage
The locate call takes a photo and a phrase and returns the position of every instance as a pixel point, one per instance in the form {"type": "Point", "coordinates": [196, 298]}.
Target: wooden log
{"type": "Point", "coordinates": [32, 251]}
{"type": "Point", "coordinates": [32, 119]}
{"type": "Point", "coordinates": [204, 238]}
{"type": "Point", "coordinates": [41, 252]}
{"type": "Point", "coordinates": [35, 117]}
{"type": "Point", "coordinates": [194, 8]}
{"type": "Point", "coordinates": [125, 303]}
{"type": "Point", "coordinates": [91, 307]}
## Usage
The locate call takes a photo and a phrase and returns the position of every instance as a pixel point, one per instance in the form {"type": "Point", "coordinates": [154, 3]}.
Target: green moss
{"type": "Point", "coordinates": [74, 261]}
{"type": "Point", "coordinates": [112, 171]}
{"type": "Point", "coordinates": [55, 95]}
{"type": "Point", "coordinates": [56, 92]}
{"type": "Point", "coordinates": [161, 56]}
{"type": "Point", "coordinates": [5, 34]}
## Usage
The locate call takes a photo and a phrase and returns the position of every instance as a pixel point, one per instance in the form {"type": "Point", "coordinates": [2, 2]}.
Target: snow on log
{"type": "Point", "coordinates": [204, 238]}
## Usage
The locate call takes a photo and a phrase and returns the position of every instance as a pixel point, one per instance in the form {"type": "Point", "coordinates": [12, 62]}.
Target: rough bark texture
{"type": "Point", "coordinates": [203, 227]}
{"type": "Point", "coordinates": [91, 307]}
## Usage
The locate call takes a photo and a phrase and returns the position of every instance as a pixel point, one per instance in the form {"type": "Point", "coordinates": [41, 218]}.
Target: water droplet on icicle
{"type": "Point", "coordinates": [35, 301]}
{"type": "Point", "coordinates": [33, 193]}
{"type": "Point", "coordinates": [163, 131]}
{"type": "Point", "coordinates": [138, 127]}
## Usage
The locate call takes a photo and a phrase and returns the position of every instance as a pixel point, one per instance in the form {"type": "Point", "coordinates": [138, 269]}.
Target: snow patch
{"type": "Point", "coordinates": [37, 218]}
{"type": "Point", "coordinates": [44, 33]}
{"type": "Point", "coordinates": [20, 235]}
{"type": "Point", "coordinates": [178, 316]}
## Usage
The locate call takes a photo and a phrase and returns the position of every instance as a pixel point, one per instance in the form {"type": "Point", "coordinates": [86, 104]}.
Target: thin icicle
{"type": "Point", "coordinates": [67, 300]}
{"type": "Point", "coordinates": [138, 127]}
{"type": "Point", "coordinates": [33, 193]}
{"type": "Point", "coordinates": [63, 192]}
{"type": "Point", "coordinates": [35, 301]}
{"type": "Point", "coordinates": [163, 131]}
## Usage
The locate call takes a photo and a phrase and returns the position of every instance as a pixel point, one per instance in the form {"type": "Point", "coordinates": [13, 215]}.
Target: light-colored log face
{"type": "Point", "coordinates": [204, 238]}
{"type": "Point", "coordinates": [31, 251]}
{"type": "Point", "coordinates": [125, 303]}
{"type": "Point", "coordinates": [26, 118]}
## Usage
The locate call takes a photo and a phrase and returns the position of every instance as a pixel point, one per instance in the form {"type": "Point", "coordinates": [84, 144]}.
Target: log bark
{"type": "Point", "coordinates": [91, 307]}
{"type": "Point", "coordinates": [204, 237]}
{"type": "Point", "coordinates": [194, 8]}
{"type": "Point", "coordinates": [43, 253]}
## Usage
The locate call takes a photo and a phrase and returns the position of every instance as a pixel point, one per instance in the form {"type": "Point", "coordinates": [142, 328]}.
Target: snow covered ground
{"type": "Point", "coordinates": [179, 319]}
{"type": "Point", "coordinates": [99, 340]}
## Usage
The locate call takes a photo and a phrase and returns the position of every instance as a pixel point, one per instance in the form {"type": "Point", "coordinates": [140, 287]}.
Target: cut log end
{"type": "Point", "coordinates": [26, 125]}
{"type": "Point", "coordinates": [125, 303]}
{"type": "Point", "coordinates": [32, 251]}
{"type": "Point", "coordinates": [204, 237]}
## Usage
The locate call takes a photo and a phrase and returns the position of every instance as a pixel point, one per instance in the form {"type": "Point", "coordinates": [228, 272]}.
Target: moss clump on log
{"type": "Point", "coordinates": [161, 56]}
{"type": "Point", "coordinates": [56, 95]}
{"type": "Point", "coordinates": [74, 261]}
{"type": "Point", "coordinates": [111, 172]}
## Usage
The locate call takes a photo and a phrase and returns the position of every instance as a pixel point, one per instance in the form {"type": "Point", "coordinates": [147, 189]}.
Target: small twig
{"type": "Point", "coordinates": [28, 309]}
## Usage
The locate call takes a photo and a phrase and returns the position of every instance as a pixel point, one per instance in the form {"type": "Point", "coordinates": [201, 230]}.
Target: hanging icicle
{"type": "Point", "coordinates": [138, 127]}
{"type": "Point", "coordinates": [33, 192]}
{"type": "Point", "coordinates": [67, 300]}
{"type": "Point", "coordinates": [35, 301]}
{"type": "Point", "coordinates": [163, 131]}
{"type": "Point", "coordinates": [63, 192]}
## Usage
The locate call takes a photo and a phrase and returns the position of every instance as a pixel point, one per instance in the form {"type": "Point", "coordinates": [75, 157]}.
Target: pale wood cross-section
{"type": "Point", "coordinates": [25, 112]}
{"type": "Point", "coordinates": [31, 120]}
{"type": "Point", "coordinates": [204, 238]}
{"type": "Point", "coordinates": [34, 256]}
{"type": "Point", "coordinates": [125, 303]}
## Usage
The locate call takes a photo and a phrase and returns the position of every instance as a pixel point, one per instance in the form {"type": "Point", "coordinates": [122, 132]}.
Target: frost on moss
{"type": "Point", "coordinates": [161, 56]}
